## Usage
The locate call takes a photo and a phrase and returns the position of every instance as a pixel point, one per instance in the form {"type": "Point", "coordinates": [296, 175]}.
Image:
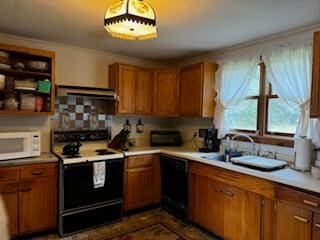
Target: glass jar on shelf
{"type": "Point", "coordinates": [94, 119]}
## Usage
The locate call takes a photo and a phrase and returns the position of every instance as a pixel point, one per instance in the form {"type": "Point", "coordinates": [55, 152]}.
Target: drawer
{"type": "Point", "coordinates": [139, 161]}
{"type": "Point", "coordinates": [38, 170]}
{"type": "Point", "coordinates": [301, 198]}
{"type": "Point", "coordinates": [9, 174]}
{"type": "Point", "coordinates": [8, 188]}
{"type": "Point", "coordinates": [197, 168]}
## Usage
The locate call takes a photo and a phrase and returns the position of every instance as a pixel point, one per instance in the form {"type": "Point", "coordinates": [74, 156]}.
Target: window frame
{"type": "Point", "coordinates": [265, 94]}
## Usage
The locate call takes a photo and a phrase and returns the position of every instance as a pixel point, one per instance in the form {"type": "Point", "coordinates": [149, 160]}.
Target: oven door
{"type": "Point", "coordinates": [15, 145]}
{"type": "Point", "coordinates": [78, 187]}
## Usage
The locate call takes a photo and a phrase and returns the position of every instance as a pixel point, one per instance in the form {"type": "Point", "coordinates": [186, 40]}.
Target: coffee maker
{"type": "Point", "coordinates": [210, 143]}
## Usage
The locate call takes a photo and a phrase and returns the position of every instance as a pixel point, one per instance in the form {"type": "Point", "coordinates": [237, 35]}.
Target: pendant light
{"type": "Point", "coordinates": [131, 20]}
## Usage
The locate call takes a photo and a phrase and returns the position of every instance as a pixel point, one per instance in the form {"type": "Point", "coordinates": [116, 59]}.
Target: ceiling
{"type": "Point", "coordinates": [187, 28]}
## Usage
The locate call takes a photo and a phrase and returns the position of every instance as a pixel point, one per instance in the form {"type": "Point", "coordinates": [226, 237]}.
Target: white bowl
{"type": "Point", "coordinates": [38, 65]}
{"type": "Point", "coordinates": [315, 171]}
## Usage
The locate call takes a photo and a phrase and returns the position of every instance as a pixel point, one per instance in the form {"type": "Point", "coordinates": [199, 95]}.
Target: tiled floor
{"type": "Point", "coordinates": [138, 221]}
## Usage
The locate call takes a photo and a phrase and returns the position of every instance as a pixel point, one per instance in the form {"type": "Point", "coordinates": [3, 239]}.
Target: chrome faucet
{"type": "Point", "coordinates": [254, 152]}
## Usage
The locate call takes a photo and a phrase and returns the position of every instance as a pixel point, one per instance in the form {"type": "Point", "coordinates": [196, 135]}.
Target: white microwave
{"type": "Point", "coordinates": [15, 145]}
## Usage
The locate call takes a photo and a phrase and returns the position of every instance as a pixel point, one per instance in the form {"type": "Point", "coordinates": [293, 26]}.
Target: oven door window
{"type": "Point", "coordinates": [79, 190]}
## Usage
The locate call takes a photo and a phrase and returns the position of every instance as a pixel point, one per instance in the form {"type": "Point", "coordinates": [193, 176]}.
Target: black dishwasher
{"type": "Point", "coordinates": [174, 172]}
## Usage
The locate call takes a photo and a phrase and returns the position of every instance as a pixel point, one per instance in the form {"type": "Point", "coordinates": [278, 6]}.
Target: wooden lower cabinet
{"type": "Point", "coordinates": [293, 223]}
{"type": "Point", "coordinates": [37, 204]}
{"type": "Point", "coordinates": [30, 200]}
{"type": "Point", "coordinates": [207, 203]}
{"type": "Point", "coordinates": [227, 211]}
{"type": "Point", "coordinates": [316, 227]}
{"type": "Point", "coordinates": [142, 181]}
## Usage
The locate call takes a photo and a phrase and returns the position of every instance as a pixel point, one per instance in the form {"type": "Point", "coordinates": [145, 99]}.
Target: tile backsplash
{"type": "Point", "coordinates": [79, 109]}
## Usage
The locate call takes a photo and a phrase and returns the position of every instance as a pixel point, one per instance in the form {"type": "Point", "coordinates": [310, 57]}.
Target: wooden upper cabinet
{"type": "Point", "coordinates": [196, 90]}
{"type": "Point", "coordinates": [165, 101]}
{"type": "Point", "coordinates": [144, 91]}
{"type": "Point", "coordinates": [293, 223]}
{"type": "Point", "coordinates": [122, 79]}
{"type": "Point", "coordinates": [315, 90]}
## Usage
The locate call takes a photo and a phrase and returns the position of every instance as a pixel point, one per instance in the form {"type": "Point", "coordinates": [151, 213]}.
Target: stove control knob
{"type": "Point", "coordinates": [93, 137]}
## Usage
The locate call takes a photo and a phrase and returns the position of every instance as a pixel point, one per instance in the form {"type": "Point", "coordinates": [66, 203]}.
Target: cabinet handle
{"type": "Point", "coordinates": [301, 219]}
{"type": "Point", "coordinates": [9, 191]}
{"type": "Point", "coordinates": [313, 204]}
{"type": "Point", "coordinates": [317, 225]}
{"type": "Point", "coordinates": [37, 172]}
{"type": "Point", "coordinates": [26, 189]}
{"type": "Point", "coordinates": [218, 189]}
{"type": "Point", "coordinates": [228, 193]}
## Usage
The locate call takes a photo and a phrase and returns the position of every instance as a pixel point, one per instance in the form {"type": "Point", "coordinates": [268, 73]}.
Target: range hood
{"type": "Point", "coordinates": [102, 93]}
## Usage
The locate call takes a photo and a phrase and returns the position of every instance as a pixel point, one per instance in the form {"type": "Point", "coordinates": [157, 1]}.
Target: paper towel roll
{"type": "Point", "coordinates": [302, 150]}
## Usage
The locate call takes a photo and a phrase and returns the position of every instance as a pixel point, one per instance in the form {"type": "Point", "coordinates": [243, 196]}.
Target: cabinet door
{"type": "Point", "coordinates": [165, 100]}
{"type": "Point", "coordinates": [207, 203]}
{"type": "Point", "coordinates": [138, 189]}
{"type": "Point", "coordinates": [293, 223]}
{"type": "Point", "coordinates": [316, 227]}
{"type": "Point", "coordinates": [315, 92]}
{"type": "Point", "coordinates": [144, 91]}
{"type": "Point", "coordinates": [126, 89]}
{"type": "Point", "coordinates": [242, 214]}
{"type": "Point", "coordinates": [190, 90]}
{"type": "Point", "coordinates": [37, 204]}
{"type": "Point", "coordinates": [9, 193]}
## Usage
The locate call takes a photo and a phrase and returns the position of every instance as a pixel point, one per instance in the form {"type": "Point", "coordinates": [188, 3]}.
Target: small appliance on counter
{"type": "Point", "coordinates": [165, 139]}
{"type": "Point", "coordinates": [210, 143]}
{"type": "Point", "coordinates": [302, 154]}
{"type": "Point", "coordinates": [90, 180]}
{"type": "Point", "coordinates": [120, 141]}
{"type": "Point", "coordinates": [14, 145]}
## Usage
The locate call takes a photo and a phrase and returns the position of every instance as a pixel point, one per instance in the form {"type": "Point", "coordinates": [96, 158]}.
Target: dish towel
{"type": "Point", "coordinates": [99, 174]}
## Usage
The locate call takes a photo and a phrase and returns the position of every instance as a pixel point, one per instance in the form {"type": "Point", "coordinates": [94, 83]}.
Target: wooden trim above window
{"type": "Point", "coordinates": [281, 141]}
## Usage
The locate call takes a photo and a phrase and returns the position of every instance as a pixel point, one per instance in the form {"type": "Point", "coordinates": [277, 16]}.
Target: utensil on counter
{"type": "Point", "coordinates": [37, 65]}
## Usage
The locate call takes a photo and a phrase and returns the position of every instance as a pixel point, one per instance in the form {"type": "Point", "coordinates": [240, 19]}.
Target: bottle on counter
{"type": "Point", "coordinates": [227, 149]}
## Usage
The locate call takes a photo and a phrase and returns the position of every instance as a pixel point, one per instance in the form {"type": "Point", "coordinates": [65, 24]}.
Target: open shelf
{"type": "Point", "coordinates": [23, 72]}
{"type": "Point", "coordinates": [24, 112]}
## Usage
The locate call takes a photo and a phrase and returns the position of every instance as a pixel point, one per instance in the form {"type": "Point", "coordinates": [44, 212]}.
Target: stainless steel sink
{"type": "Point", "coordinates": [214, 157]}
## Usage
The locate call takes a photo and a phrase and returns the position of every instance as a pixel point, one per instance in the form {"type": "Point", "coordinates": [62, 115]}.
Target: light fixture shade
{"type": "Point", "coordinates": [131, 20]}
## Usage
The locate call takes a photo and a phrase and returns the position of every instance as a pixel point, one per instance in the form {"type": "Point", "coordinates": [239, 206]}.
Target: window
{"type": "Point", "coordinates": [262, 111]}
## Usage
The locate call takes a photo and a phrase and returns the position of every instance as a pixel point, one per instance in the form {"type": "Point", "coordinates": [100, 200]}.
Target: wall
{"type": "Point", "coordinates": [74, 66]}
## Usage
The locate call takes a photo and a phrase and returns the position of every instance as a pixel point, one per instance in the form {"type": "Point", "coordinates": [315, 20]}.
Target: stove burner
{"type": "Point", "coordinates": [103, 152]}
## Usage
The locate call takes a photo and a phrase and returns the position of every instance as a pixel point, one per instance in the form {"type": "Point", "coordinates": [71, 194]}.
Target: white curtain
{"type": "Point", "coordinates": [289, 71]}
{"type": "Point", "coordinates": [232, 84]}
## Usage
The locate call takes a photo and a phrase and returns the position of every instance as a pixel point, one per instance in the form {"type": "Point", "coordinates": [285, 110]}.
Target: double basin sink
{"type": "Point", "coordinates": [253, 162]}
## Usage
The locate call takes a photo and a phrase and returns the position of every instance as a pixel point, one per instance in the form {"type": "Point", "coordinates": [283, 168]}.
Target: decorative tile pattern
{"type": "Point", "coordinates": [79, 109]}
{"type": "Point", "coordinates": [137, 222]}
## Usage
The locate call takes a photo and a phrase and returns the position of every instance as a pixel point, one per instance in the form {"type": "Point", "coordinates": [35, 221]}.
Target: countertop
{"type": "Point", "coordinates": [288, 176]}
{"type": "Point", "coordinates": [43, 158]}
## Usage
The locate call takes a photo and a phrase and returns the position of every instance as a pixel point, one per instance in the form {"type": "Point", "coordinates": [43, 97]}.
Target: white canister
{"type": "Point", "coordinates": [302, 153]}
